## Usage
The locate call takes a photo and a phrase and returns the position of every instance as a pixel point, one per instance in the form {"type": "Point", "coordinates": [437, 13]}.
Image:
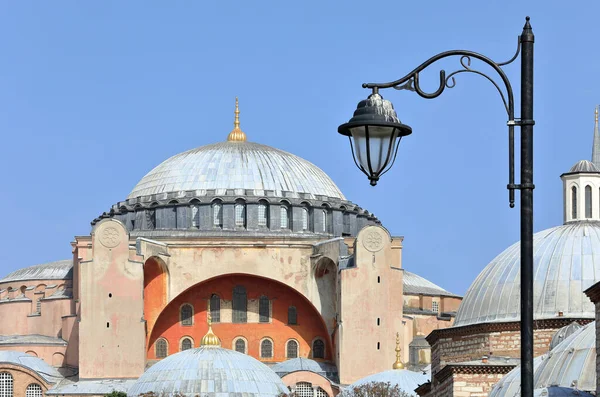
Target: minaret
{"type": "Point", "coordinates": [398, 364]}
{"type": "Point", "coordinates": [596, 146]}
{"type": "Point", "coordinates": [236, 135]}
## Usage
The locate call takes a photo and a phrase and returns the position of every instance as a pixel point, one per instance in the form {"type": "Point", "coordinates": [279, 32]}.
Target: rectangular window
{"type": "Point", "coordinates": [284, 217]}
{"type": "Point", "coordinates": [304, 219]}
{"type": "Point", "coordinates": [217, 214]}
{"type": "Point", "coordinates": [324, 225]}
{"type": "Point", "coordinates": [195, 216]}
{"type": "Point", "coordinates": [262, 215]}
{"type": "Point", "coordinates": [435, 307]}
{"type": "Point", "coordinates": [346, 221]}
{"type": "Point", "coordinates": [240, 215]}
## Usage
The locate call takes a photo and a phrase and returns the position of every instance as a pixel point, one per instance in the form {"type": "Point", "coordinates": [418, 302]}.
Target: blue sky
{"type": "Point", "coordinates": [95, 94]}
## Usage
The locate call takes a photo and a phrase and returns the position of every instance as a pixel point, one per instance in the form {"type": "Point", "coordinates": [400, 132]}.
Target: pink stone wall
{"type": "Point", "coordinates": [316, 380]}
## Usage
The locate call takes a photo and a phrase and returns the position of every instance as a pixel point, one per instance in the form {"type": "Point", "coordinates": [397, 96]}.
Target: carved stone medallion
{"type": "Point", "coordinates": [373, 240]}
{"type": "Point", "coordinates": [109, 237]}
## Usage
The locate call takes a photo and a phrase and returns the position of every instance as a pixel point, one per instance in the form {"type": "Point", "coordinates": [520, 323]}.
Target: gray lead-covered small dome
{"type": "Point", "coordinates": [584, 166]}
{"type": "Point", "coordinates": [209, 371]}
{"type": "Point", "coordinates": [566, 262]}
{"type": "Point", "coordinates": [59, 270]}
{"type": "Point", "coordinates": [237, 165]}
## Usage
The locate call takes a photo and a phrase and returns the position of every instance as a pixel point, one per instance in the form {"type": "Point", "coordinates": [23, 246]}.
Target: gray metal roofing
{"type": "Point", "coordinates": [93, 387]}
{"type": "Point", "coordinates": [406, 380]}
{"type": "Point", "coordinates": [59, 270]}
{"type": "Point", "coordinates": [557, 391]}
{"type": "Point", "coordinates": [33, 339]}
{"type": "Point", "coordinates": [584, 166]}
{"type": "Point", "coordinates": [510, 384]}
{"type": "Point", "coordinates": [414, 285]}
{"type": "Point", "coordinates": [50, 374]}
{"type": "Point", "coordinates": [564, 333]}
{"type": "Point", "coordinates": [566, 262]}
{"type": "Point", "coordinates": [302, 364]}
{"type": "Point", "coordinates": [209, 371]}
{"type": "Point", "coordinates": [236, 165]}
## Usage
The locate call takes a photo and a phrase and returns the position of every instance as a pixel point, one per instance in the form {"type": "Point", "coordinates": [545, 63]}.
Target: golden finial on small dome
{"type": "Point", "coordinates": [236, 135]}
{"type": "Point", "coordinates": [398, 364]}
{"type": "Point", "coordinates": [210, 339]}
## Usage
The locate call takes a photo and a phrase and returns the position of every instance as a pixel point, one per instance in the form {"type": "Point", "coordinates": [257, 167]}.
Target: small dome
{"type": "Point", "coordinates": [510, 384]}
{"type": "Point", "coordinates": [584, 166]}
{"type": "Point", "coordinates": [59, 270]}
{"type": "Point", "coordinates": [557, 391]}
{"type": "Point", "coordinates": [305, 364]}
{"type": "Point", "coordinates": [564, 333]}
{"type": "Point", "coordinates": [406, 380]}
{"type": "Point", "coordinates": [211, 371]}
{"type": "Point", "coordinates": [566, 262]}
{"type": "Point", "coordinates": [237, 165]}
{"type": "Point", "coordinates": [572, 363]}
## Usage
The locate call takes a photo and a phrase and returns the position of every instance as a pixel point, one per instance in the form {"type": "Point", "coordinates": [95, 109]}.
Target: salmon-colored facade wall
{"type": "Point", "coordinates": [310, 324]}
{"type": "Point", "coordinates": [315, 380]}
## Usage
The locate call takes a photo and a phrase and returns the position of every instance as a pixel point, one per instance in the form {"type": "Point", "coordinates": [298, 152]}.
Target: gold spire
{"type": "Point", "coordinates": [398, 364]}
{"type": "Point", "coordinates": [236, 135]}
{"type": "Point", "coordinates": [210, 339]}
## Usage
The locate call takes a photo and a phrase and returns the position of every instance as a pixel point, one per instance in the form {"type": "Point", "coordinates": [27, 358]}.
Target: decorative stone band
{"type": "Point", "coordinates": [468, 369]}
{"type": "Point", "coordinates": [557, 323]}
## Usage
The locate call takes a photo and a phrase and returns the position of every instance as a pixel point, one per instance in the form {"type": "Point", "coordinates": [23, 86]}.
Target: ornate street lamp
{"type": "Point", "coordinates": [375, 132]}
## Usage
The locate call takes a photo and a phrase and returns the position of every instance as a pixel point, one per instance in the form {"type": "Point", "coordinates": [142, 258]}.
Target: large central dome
{"type": "Point", "coordinates": [237, 165]}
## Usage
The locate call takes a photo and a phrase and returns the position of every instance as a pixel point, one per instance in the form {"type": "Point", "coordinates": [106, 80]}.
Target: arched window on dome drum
{"type": "Point", "coordinates": [34, 390]}
{"type": "Point", "coordinates": [263, 217]}
{"type": "Point", "coordinates": [346, 223]}
{"type": "Point", "coordinates": [304, 389]}
{"type": "Point", "coordinates": [240, 305]}
{"type": "Point", "coordinates": [150, 219]}
{"type": "Point", "coordinates": [574, 202]}
{"type": "Point", "coordinates": [160, 348]}
{"type": "Point", "coordinates": [240, 346]}
{"type": "Point", "coordinates": [284, 217]}
{"type": "Point", "coordinates": [6, 384]}
{"type": "Point", "coordinates": [240, 214]}
{"type": "Point", "coordinates": [264, 309]}
{"type": "Point", "coordinates": [196, 216]}
{"type": "Point", "coordinates": [266, 349]}
{"type": "Point", "coordinates": [292, 316]}
{"type": "Point", "coordinates": [324, 221]}
{"type": "Point", "coordinates": [215, 308]}
{"type": "Point", "coordinates": [217, 210]}
{"type": "Point", "coordinates": [292, 349]}
{"type": "Point", "coordinates": [588, 201]}
{"type": "Point", "coordinates": [305, 218]}
{"type": "Point", "coordinates": [186, 314]}
{"type": "Point", "coordinates": [318, 349]}
{"type": "Point", "coordinates": [186, 344]}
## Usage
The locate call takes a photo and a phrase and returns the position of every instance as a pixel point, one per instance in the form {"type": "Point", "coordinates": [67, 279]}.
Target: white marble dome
{"type": "Point", "coordinates": [566, 262]}
{"type": "Point", "coordinates": [237, 165]}
{"type": "Point", "coordinates": [209, 371]}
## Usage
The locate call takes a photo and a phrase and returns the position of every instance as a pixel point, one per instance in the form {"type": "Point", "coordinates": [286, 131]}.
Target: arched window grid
{"type": "Point", "coordinates": [34, 390]}
{"type": "Point", "coordinates": [304, 389]}
{"type": "Point", "coordinates": [186, 314]}
{"type": "Point", "coordinates": [263, 214]}
{"type": "Point", "coordinates": [217, 214]}
{"type": "Point", "coordinates": [266, 348]}
{"type": "Point", "coordinates": [321, 393]}
{"type": "Point", "coordinates": [240, 305]}
{"type": "Point", "coordinates": [161, 348]}
{"type": "Point", "coordinates": [588, 201]}
{"type": "Point", "coordinates": [186, 343]}
{"type": "Point", "coordinates": [291, 349]}
{"type": "Point", "coordinates": [6, 384]}
{"type": "Point", "coordinates": [264, 309]}
{"type": "Point", "coordinates": [215, 308]}
{"type": "Point", "coordinates": [284, 217]}
{"type": "Point", "coordinates": [240, 214]}
{"type": "Point", "coordinates": [240, 345]}
{"type": "Point", "coordinates": [574, 202]}
{"type": "Point", "coordinates": [318, 348]}
{"type": "Point", "coordinates": [292, 315]}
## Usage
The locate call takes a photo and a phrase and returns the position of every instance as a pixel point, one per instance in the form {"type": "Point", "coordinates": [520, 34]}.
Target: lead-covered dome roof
{"type": "Point", "coordinates": [209, 371]}
{"type": "Point", "coordinates": [584, 166]}
{"type": "Point", "coordinates": [237, 165]}
{"type": "Point", "coordinates": [566, 262]}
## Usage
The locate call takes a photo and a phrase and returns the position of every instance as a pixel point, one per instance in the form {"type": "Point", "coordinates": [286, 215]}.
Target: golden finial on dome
{"type": "Point", "coordinates": [210, 339]}
{"type": "Point", "coordinates": [236, 135]}
{"type": "Point", "coordinates": [398, 364]}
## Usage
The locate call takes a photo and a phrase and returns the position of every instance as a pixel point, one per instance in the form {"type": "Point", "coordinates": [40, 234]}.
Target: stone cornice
{"type": "Point", "coordinates": [468, 369]}
{"type": "Point", "coordinates": [593, 292]}
{"type": "Point", "coordinates": [552, 323]}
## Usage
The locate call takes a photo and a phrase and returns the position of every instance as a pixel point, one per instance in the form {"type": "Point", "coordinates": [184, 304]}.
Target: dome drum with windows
{"type": "Point", "coordinates": [238, 186]}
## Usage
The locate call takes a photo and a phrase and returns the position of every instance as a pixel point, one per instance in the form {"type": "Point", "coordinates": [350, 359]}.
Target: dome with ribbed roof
{"type": "Point", "coordinates": [237, 165]}
{"type": "Point", "coordinates": [584, 166]}
{"type": "Point", "coordinates": [566, 262]}
{"type": "Point", "coordinates": [59, 270]}
{"type": "Point", "coordinates": [209, 371]}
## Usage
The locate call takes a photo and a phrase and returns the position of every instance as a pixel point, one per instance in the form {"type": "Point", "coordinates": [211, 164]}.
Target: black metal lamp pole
{"type": "Point", "coordinates": [375, 132]}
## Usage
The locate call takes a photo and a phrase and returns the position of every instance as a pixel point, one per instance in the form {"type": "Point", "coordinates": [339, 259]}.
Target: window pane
{"type": "Point", "coordinates": [292, 315]}
{"type": "Point", "coordinates": [187, 313]}
{"type": "Point", "coordinates": [435, 306]}
{"type": "Point", "coordinates": [215, 308]}
{"type": "Point", "coordinates": [324, 225]}
{"type": "Point", "coordinates": [346, 221]}
{"type": "Point", "coordinates": [588, 202]}
{"type": "Point", "coordinates": [304, 389]}
{"type": "Point", "coordinates": [161, 348]}
{"type": "Point", "coordinates": [284, 217]}
{"type": "Point", "coordinates": [217, 214]}
{"type": "Point", "coordinates": [321, 393]}
{"type": "Point", "coordinates": [304, 218]}
{"type": "Point", "coordinates": [150, 219]}
{"type": "Point", "coordinates": [195, 216]}
{"type": "Point", "coordinates": [266, 349]}
{"type": "Point", "coordinates": [574, 202]}
{"type": "Point", "coordinates": [292, 349]}
{"type": "Point", "coordinates": [33, 390]}
{"type": "Point", "coordinates": [186, 344]}
{"type": "Point", "coordinates": [262, 215]}
{"type": "Point", "coordinates": [240, 346]}
{"type": "Point", "coordinates": [318, 349]}
{"type": "Point", "coordinates": [263, 309]}
{"type": "Point", "coordinates": [6, 384]}
{"type": "Point", "coordinates": [240, 304]}
{"type": "Point", "coordinates": [240, 215]}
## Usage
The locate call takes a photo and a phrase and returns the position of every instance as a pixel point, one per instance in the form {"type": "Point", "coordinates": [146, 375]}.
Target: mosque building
{"type": "Point", "coordinates": [477, 355]}
{"type": "Point", "coordinates": [227, 260]}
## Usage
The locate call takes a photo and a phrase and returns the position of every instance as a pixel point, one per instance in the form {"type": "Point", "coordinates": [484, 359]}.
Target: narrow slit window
{"type": "Point", "coordinates": [285, 217]}
{"type": "Point", "coordinates": [264, 309]}
{"type": "Point", "coordinates": [240, 305]}
{"type": "Point", "coordinates": [262, 214]}
{"type": "Point", "coordinates": [215, 308]}
{"type": "Point", "coordinates": [574, 202]}
{"type": "Point", "coordinates": [195, 216]}
{"type": "Point", "coordinates": [588, 201]}
{"type": "Point", "coordinates": [217, 214]}
{"type": "Point", "coordinates": [304, 218]}
{"type": "Point", "coordinates": [240, 215]}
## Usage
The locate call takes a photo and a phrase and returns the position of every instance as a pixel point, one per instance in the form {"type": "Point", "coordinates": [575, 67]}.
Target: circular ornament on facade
{"type": "Point", "coordinates": [373, 240]}
{"type": "Point", "coordinates": [110, 237]}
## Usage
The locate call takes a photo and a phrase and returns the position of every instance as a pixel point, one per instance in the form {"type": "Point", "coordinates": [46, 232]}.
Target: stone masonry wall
{"type": "Point", "coordinates": [472, 385]}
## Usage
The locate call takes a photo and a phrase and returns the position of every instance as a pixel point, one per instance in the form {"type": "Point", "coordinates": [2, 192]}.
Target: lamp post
{"type": "Point", "coordinates": [375, 132]}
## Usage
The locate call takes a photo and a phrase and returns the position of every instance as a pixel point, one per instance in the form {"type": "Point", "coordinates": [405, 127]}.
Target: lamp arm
{"type": "Point", "coordinates": [411, 82]}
